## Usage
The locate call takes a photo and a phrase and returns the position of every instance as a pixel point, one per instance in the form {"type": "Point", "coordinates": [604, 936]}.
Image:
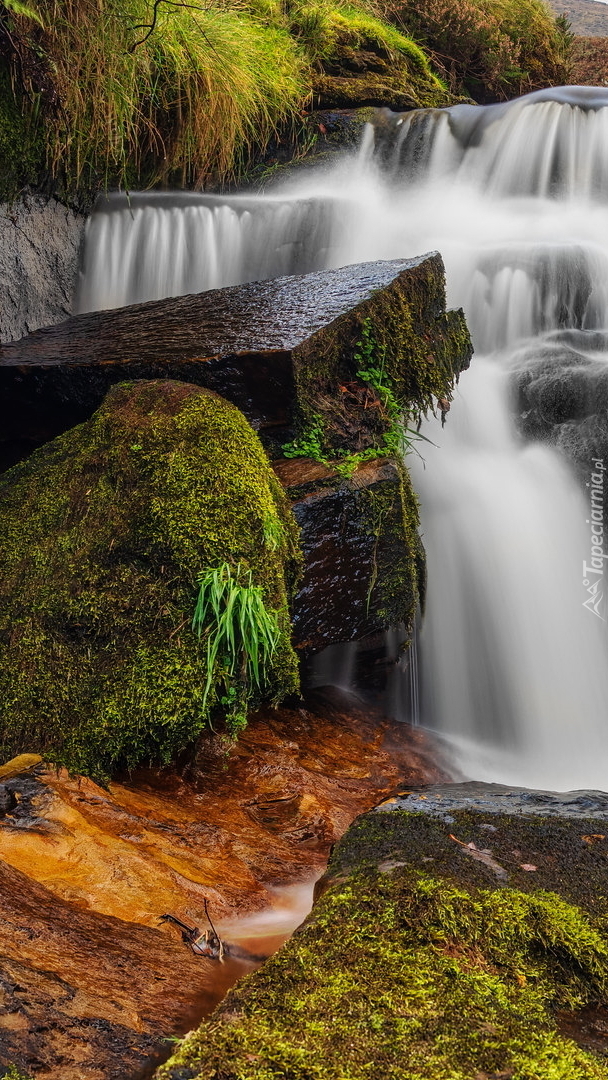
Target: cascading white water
{"type": "Point", "coordinates": [516, 199]}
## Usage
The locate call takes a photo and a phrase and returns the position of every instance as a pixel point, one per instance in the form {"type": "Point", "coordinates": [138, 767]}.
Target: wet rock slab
{"type": "Point", "coordinates": [249, 343]}
{"type": "Point", "coordinates": [445, 800]}
{"type": "Point", "coordinates": [364, 565]}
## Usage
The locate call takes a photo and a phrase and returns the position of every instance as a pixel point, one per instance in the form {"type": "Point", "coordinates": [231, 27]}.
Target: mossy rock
{"type": "Point", "coordinates": [421, 962]}
{"type": "Point", "coordinates": [365, 61]}
{"type": "Point", "coordinates": [104, 533]}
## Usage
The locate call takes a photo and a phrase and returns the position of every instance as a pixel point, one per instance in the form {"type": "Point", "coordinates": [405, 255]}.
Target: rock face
{"type": "Point", "coordinates": [39, 249]}
{"type": "Point", "coordinates": [89, 984]}
{"type": "Point", "coordinates": [363, 560]}
{"type": "Point", "coordinates": [562, 395]}
{"type": "Point", "coordinates": [447, 940]}
{"type": "Point", "coordinates": [280, 350]}
{"type": "Point", "coordinates": [101, 667]}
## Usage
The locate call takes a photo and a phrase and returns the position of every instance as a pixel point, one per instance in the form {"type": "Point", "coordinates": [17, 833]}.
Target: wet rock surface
{"type": "Point", "coordinates": [83, 995]}
{"type": "Point", "coordinates": [363, 561]}
{"type": "Point", "coordinates": [250, 343]}
{"type": "Point", "coordinates": [443, 800]}
{"type": "Point", "coordinates": [91, 984]}
{"type": "Point", "coordinates": [561, 395]}
{"type": "Point", "coordinates": [39, 248]}
{"type": "Point", "coordinates": [467, 944]}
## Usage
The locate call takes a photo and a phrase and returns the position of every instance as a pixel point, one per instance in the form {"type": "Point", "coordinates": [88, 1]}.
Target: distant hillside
{"type": "Point", "coordinates": [588, 18]}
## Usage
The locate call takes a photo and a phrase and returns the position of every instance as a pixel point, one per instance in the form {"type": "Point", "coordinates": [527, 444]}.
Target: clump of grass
{"type": "Point", "coordinates": [241, 635]}
{"type": "Point", "coordinates": [145, 91]}
{"type": "Point", "coordinates": [169, 91]}
{"type": "Point", "coordinates": [490, 49]}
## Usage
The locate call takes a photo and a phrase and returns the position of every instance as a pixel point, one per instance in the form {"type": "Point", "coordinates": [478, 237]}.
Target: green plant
{"type": "Point", "coordinates": [490, 49]}
{"type": "Point", "coordinates": [241, 634]}
{"type": "Point", "coordinates": [309, 443]}
{"type": "Point", "coordinates": [371, 357]}
{"type": "Point", "coordinates": [15, 7]}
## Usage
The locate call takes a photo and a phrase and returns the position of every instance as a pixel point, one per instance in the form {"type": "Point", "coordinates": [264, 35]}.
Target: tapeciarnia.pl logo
{"type": "Point", "coordinates": [593, 572]}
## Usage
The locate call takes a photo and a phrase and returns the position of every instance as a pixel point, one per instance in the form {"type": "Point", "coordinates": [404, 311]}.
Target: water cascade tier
{"type": "Point", "coordinates": [514, 650]}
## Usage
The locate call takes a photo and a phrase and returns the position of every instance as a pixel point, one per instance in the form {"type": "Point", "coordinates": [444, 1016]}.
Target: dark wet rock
{"type": "Point", "coordinates": [363, 560]}
{"type": "Point", "coordinates": [326, 133]}
{"type": "Point", "coordinates": [457, 947]}
{"type": "Point", "coordinates": [7, 799]}
{"type": "Point", "coordinates": [278, 349]}
{"type": "Point", "coordinates": [39, 248]}
{"type": "Point", "coordinates": [561, 395]}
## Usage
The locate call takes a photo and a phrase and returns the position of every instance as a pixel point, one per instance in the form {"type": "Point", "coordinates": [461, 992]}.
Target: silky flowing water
{"type": "Point", "coordinates": [515, 197]}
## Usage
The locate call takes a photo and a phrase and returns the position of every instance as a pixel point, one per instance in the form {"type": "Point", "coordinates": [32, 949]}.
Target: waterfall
{"type": "Point", "coordinates": [515, 196]}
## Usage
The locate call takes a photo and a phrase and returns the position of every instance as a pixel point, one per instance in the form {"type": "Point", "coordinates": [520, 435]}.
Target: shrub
{"type": "Point", "coordinates": [490, 49]}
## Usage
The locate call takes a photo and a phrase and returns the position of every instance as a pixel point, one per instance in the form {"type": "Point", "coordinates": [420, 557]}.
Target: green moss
{"type": "Point", "coordinates": [21, 143]}
{"type": "Point", "coordinates": [422, 347]}
{"type": "Point", "coordinates": [405, 976]}
{"type": "Point", "coordinates": [418, 963]}
{"type": "Point", "coordinates": [392, 515]}
{"type": "Point", "coordinates": [360, 59]}
{"type": "Point", "coordinates": [104, 533]}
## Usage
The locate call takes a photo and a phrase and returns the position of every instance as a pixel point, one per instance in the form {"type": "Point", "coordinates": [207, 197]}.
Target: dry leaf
{"type": "Point", "coordinates": [528, 866]}
{"type": "Point", "coordinates": [593, 837]}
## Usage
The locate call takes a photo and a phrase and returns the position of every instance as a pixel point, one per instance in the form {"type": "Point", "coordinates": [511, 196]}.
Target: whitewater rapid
{"type": "Point", "coordinates": [515, 197]}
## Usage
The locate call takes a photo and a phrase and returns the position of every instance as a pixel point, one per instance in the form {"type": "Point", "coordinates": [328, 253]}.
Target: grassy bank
{"type": "Point", "coordinates": [131, 91]}
{"type": "Point", "coordinates": [139, 92]}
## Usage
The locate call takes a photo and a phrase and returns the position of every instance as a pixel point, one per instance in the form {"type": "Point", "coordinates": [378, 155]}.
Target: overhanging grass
{"type": "Point", "coordinates": [137, 92]}
{"type": "Point", "coordinates": [184, 103]}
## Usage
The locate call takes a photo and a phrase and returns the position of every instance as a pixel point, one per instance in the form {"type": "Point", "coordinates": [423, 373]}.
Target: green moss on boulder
{"type": "Point", "coordinates": [420, 963]}
{"type": "Point", "coordinates": [104, 533]}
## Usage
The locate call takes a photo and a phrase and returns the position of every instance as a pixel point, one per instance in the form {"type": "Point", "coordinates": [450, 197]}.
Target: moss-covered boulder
{"type": "Point", "coordinates": [461, 945]}
{"type": "Point", "coordinates": [105, 533]}
{"type": "Point", "coordinates": [367, 62]}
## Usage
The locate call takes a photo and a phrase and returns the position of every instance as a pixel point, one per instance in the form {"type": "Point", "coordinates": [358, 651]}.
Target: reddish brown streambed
{"type": "Point", "coordinates": [90, 983]}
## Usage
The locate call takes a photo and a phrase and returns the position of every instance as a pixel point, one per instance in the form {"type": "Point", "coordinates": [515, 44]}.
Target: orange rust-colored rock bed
{"type": "Point", "coordinates": [90, 984]}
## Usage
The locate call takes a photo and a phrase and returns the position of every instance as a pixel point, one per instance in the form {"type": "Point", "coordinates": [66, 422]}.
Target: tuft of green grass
{"type": "Point", "coordinates": [148, 91]}
{"type": "Point", "coordinates": [241, 635]}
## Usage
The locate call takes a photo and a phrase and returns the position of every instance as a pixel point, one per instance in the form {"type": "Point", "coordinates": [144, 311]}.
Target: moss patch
{"type": "Point", "coordinates": [411, 970]}
{"type": "Point", "coordinates": [21, 142]}
{"type": "Point", "coordinates": [104, 534]}
{"type": "Point", "coordinates": [423, 350]}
